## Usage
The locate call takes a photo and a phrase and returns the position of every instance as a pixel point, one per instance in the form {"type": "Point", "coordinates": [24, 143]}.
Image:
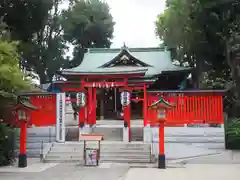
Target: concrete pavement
{"type": "Point", "coordinates": [221, 167]}
{"type": "Point", "coordinates": [187, 172]}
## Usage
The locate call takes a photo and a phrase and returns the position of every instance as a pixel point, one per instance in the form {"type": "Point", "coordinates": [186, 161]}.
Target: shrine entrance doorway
{"type": "Point", "coordinates": [88, 97]}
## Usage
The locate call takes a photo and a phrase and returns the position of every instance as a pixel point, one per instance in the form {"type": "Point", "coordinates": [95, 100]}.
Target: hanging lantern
{"type": "Point", "coordinates": [78, 99]}
{"type": "Point", "coordinates": [112, 84]}
{"type": "Point", "coordinates": [81, 99]}
{"type": "Point", "coordinates": [125, 98]}
{"type": "Point", "coordinates": [94, 84]}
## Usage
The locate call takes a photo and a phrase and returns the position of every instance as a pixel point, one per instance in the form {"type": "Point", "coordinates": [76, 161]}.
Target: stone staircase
{"type": "Point", "coordinates": [37, 140]}
{"type": "Point", "coordinates": [137, 134]}
{"type": "Point", "coordinates": [110, 134]}
{"type": "Point", "coordinates": [118, 152]}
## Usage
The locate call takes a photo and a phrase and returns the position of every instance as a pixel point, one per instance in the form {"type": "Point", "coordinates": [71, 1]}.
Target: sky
{"type": "Point", "coordinates": [135, 22]}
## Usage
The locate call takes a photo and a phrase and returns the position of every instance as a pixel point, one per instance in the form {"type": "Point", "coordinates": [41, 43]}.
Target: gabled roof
{"type": "Point", "coordinates": [125, 55]}
{"type": "Point", "coordinates": [99, 60]}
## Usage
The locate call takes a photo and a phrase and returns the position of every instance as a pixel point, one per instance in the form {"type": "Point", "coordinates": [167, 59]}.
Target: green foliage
{"type": "Point", "coordinates": [87, 24]}
{"type": "Point", "coordinates": [232, 133]}
{"type": "Point", "coordinates": [45, 52]}
{"type": "Point", "coordinates": [11, 79]}
{"type": "Point", "coordinates": [7, 144]}
{"type": "Point", "coordinates": [205, 33]}
{"type": "Point", "coordinates": [11, 82]}
{"type": "Point", "coordinates": [198, 31]}
{"type": "Point", "coordinates": [24, 17]}
{"type": "Point", "coordinates": [43, 31]}
{"type": "Point", "coordinates": [233, 129]}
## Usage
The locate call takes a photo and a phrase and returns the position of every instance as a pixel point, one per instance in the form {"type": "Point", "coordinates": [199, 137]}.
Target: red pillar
{"type": "Point", "coordinates": [81, 116]}
{"type": "Point", "coordinates": [129, 121]}
{"type": "Point", "coordinates": [22, 158]}
{"type": "Point", "coordinates": [127, 118]}
{"type": "Point", "coordinates": [145, 105]}
{"type": "Point", "coordinates": [89, 118]}
{"type": "Point", "coordinates": [161, 156]}
{"type": "Point", "coordinates": [94, 108]}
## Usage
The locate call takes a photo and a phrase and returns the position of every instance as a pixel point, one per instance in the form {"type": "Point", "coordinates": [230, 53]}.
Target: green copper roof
{"type": "Point", "coordinates": [25, 102]}
{"type": "Point", "coordinates": [112, 70]}
{"type": "Point", "coordinates": [163, 102]}
{"type": "Point", "coordinates": [156, 61]}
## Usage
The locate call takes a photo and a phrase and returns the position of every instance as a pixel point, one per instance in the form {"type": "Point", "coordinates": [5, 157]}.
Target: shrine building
{"type": "Point", "coordinates": [152, 67]}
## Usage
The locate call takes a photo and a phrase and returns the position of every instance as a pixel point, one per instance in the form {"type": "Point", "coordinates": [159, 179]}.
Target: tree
{"type": "Point", "coordinates": [38, 26]}
{"type": "Point", "coordinates": [46, 51]}
{"type": "Point", "coordinates": [196, 37]}
{"type": "Point", "coordinates": [204, 37]}
{"type": "Point", "coordinates": [11, 82]}
{"type": "Point", "coordinates": [24, 17]}
{"type": "Point", "coordinates": [87, 24]}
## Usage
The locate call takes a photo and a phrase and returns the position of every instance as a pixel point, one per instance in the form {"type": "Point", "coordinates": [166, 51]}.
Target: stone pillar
{"type": "Point", "coordinates": [60, 122]}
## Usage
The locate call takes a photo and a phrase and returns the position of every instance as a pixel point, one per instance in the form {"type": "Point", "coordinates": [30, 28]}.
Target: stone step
{"type": "Point", "coordinates": [109, 133]}
{"type": "Point", "coordinates": [103, 146]}
{"type": "Point", "coordinates": [102, 155]}
{"type": "Point", "coordinates": [104, 151]}
{"type": "Point", "coordinates": [115, 160]}
{"type": "Point", "coordinates": [110, 151]}
{"type": "Point", "coordinates": [115, 147]}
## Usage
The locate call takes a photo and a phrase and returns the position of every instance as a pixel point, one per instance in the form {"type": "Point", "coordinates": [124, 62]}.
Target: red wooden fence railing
{"type": "Point", "coordinates": [191, 107]}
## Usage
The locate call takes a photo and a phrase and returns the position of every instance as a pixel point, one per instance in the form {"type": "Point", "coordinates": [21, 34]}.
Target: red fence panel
{"type": "Point", "coordinates": [191, 108]}
{"type": "Point", "coordinates": [46, 115]}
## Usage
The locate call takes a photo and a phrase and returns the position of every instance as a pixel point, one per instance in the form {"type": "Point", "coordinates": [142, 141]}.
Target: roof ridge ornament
{"type": "Point", "coordinates": [124, 46]}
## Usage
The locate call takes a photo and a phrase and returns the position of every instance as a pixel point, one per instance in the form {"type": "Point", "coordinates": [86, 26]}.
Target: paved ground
{"type": "Point", "coordinates": [221, 167]}
{"type": "Point", "coordinates": [70, 172]}
{"type": "Point", "coordinates": [188, 172]}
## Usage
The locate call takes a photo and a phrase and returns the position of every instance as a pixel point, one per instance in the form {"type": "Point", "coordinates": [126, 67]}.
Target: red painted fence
{"type": "Point", "coordinates": [191, 107]}
{"type": "Point", "coordinates": [46, 115]}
